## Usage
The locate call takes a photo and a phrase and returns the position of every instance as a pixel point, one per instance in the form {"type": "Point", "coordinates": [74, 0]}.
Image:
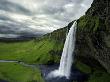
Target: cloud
{"type": "Point", "coordinates": [13, 7]}
{"type": "Point", "coordinates": [8, 35]}
{"type": "Point", "coordinates": [39, 16]}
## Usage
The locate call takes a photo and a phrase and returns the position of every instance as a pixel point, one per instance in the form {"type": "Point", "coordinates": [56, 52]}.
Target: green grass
{"type": "Point", "coordinates": [83, 67]}
{"type": "Point", "coordinates": [33, 51]}
{"type": "Point", "coordinates": [14, 72]}
{"type": "Point", "coordinates": [99, 76]}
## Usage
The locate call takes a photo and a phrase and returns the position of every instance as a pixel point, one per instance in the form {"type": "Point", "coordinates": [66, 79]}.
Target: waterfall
{"type": "Point", "coordinates": [67, 55]}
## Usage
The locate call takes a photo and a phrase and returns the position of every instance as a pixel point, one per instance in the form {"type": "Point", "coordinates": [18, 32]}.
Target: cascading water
{"type": "Point", "coordinates": [66, 59]}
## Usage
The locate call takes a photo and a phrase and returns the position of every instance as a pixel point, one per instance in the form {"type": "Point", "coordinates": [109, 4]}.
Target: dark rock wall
{"type": "Point", "coordinates": [93, 34]}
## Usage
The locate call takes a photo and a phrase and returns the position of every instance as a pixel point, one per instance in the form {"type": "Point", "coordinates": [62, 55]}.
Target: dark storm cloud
{"type": "Point", "coordinates": [13, 7]}
{"type": "Point", "coordinates": [2, 17]}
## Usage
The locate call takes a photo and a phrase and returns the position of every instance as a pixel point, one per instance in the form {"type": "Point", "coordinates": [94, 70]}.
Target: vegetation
{"type": "Point", "coordinates": [89, 23]}
{"type": "Point", "coordinates": [13, 72]}
{"type": "Point", "coordinates": [83, 67]}
{"type": "Point", "coordinates": [34, 51]}
{"type": "Point", "coordinates": [92, 40]}
{"type": "Point", "coordinates": [99, 76]}
{"type": "Point", "coordinates": [95, 74]}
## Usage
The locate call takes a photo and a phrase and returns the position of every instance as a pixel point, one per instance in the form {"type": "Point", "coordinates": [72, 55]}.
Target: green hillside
{"type": "Point", "coordinates": [34, 51]}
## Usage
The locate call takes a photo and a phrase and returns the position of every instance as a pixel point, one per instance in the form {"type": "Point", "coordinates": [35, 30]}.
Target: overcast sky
{"type": "Point", "coordinates": [38, 16]}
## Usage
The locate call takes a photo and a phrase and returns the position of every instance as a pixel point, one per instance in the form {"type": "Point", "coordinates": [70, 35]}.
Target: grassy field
{"type": "Point", "coordinates": [31, 52]}
{"type": "Point", "coordinates": [13, 72]}
{"type": "Point", "coordinates": [34, 51]}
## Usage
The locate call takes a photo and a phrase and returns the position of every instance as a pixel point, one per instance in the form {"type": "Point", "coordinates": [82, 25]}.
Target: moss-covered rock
{"type": "Point", "coordinates": [93, 42]}
{"type": "Point", "coordinates": [93, 35]}
{"type": "Point", "coordinates": [99, 76]}
{"type": "Point", "coordinates": [89, 23]}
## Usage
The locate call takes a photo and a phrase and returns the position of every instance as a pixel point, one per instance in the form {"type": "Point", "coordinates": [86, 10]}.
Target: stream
{"type": "Point", "coordinates": [19, 62]}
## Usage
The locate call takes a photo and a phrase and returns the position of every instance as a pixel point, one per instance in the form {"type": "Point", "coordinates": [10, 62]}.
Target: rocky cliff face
{"type": "Point", "coordinates": [93, 35]}
{"type": "Point", "coordinates": [99, 8]}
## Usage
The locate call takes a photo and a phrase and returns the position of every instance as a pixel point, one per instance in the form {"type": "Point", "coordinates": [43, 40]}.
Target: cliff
{"type": "Point", "coordinates": [93, 34]}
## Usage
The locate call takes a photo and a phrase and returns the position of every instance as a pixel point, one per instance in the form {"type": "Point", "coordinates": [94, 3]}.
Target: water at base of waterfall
{"type": "Point", "coordinates": [76, 75]}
